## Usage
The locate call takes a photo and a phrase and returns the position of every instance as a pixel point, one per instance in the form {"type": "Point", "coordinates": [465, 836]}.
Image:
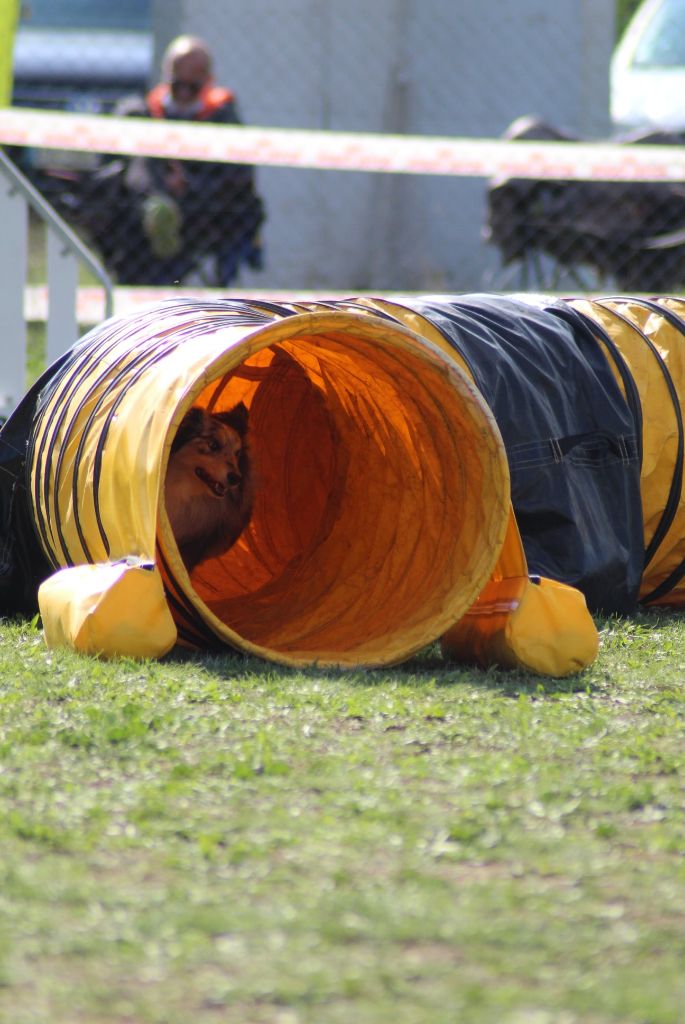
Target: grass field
{"type": "Point", "coordinates": [219, 839]}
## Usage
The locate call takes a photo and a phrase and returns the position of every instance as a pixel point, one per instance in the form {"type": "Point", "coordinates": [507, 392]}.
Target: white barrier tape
{"type": "Point", "coordinates": [342, 151]}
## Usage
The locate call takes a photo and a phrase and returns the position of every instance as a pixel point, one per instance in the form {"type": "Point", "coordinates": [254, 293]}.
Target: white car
{"type": "Point", "coordinates": [648, 69]}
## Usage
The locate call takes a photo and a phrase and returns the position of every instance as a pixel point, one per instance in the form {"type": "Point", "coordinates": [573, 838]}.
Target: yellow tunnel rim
{"type": "Point", "coordinates": [305, 327]}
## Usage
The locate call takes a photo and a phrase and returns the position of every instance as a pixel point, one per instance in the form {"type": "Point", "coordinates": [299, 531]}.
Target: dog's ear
{"type": "Point", "coordinates": [236, 417]}
{"type": "Point", "coordinates": [190, 426]}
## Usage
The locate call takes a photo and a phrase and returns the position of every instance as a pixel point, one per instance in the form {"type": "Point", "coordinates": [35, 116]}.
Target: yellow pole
{"type": "Point", "coordinates": [9, 14]}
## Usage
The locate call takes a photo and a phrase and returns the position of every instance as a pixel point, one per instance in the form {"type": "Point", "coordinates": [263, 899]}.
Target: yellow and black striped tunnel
{"type": "Point", "coordinates": [382, 487]}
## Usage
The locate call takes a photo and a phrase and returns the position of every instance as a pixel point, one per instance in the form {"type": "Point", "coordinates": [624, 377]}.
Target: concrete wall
{"type": "Point", "coordinates": [443, 67]}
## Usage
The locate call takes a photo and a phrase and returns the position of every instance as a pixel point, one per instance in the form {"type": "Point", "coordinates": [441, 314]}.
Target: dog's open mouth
{"type": "Point", "coordinates": [214, 485]}
{"type": "Point", "coordinates": [217, 487]}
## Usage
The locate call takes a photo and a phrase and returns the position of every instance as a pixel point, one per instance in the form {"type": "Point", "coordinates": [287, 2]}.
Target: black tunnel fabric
{"type": "Point", "coordinates": [571, 440]}
{"type": "Point", "coordinates": [23, 566]}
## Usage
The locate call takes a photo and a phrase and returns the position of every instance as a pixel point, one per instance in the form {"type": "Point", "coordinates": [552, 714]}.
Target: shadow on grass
{"type": "Point", "coordinates": [426, 668]}
{"type": "Point", "coordinates": [508, 682]}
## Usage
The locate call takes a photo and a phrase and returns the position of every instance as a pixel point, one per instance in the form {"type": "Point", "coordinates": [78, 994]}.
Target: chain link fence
{"type": "Point", "coordinates": [470, 68]}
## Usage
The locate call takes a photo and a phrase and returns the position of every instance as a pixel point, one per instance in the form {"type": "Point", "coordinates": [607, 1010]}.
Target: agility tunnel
{"type": "Point", "coordinates": [478, 470]}
{"type": "Point", "coordinates": [381, 496]}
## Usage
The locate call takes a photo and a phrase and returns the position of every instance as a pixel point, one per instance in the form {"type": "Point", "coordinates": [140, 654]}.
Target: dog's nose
{"type": "Point", "coordinates": [233, 479]}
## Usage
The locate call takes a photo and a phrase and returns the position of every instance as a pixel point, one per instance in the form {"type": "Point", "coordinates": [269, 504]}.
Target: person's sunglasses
{"type": "Point", "coordinates": [180, 87]}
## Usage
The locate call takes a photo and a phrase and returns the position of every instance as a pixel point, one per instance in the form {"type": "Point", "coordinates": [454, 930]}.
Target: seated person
{"type": "Point", "coordinates": [153, 220]}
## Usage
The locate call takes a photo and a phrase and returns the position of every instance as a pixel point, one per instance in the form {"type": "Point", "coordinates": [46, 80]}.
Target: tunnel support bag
{"type": "Point", "coordinates": [111, 609]}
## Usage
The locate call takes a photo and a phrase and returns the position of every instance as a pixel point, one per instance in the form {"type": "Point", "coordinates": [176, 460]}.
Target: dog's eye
{"type": "Point", "coordinates": [213, 445]}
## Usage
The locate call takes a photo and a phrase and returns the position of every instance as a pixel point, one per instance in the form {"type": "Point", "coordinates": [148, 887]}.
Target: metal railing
{"type": "Point", "coordinates": [64, 252]}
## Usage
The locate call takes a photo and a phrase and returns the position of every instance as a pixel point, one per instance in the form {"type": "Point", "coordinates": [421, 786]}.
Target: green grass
{"type": "Point", "coordinates": [219, 839]}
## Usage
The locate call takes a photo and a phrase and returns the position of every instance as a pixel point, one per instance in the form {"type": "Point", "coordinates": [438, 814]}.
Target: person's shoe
{"type": "Point", "coordinates": [162, 225]}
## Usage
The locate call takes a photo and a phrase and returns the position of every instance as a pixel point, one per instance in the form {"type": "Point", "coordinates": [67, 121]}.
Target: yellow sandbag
{"type": "Point", "coordinates": [537, 624]}
{"type": "Point", "coordinates": [382, 492]}
{"type": "Point", "coordinates": [108, 609]}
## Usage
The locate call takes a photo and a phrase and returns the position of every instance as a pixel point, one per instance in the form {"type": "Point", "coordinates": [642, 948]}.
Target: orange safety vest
{"type": "Point", "coordinates": [212, 98]}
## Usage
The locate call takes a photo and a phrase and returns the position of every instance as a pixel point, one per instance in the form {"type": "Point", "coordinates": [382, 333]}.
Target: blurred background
{"type": "Point", "coordinates": [467, 68]}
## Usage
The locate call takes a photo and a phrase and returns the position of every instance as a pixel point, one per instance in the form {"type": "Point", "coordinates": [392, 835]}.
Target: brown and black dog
{"type": "Point", "coordinates": [208, 489]}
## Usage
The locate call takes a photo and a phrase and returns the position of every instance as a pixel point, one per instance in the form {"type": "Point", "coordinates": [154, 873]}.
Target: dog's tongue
{"type": "Point", "coordinates": [219, 489]}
